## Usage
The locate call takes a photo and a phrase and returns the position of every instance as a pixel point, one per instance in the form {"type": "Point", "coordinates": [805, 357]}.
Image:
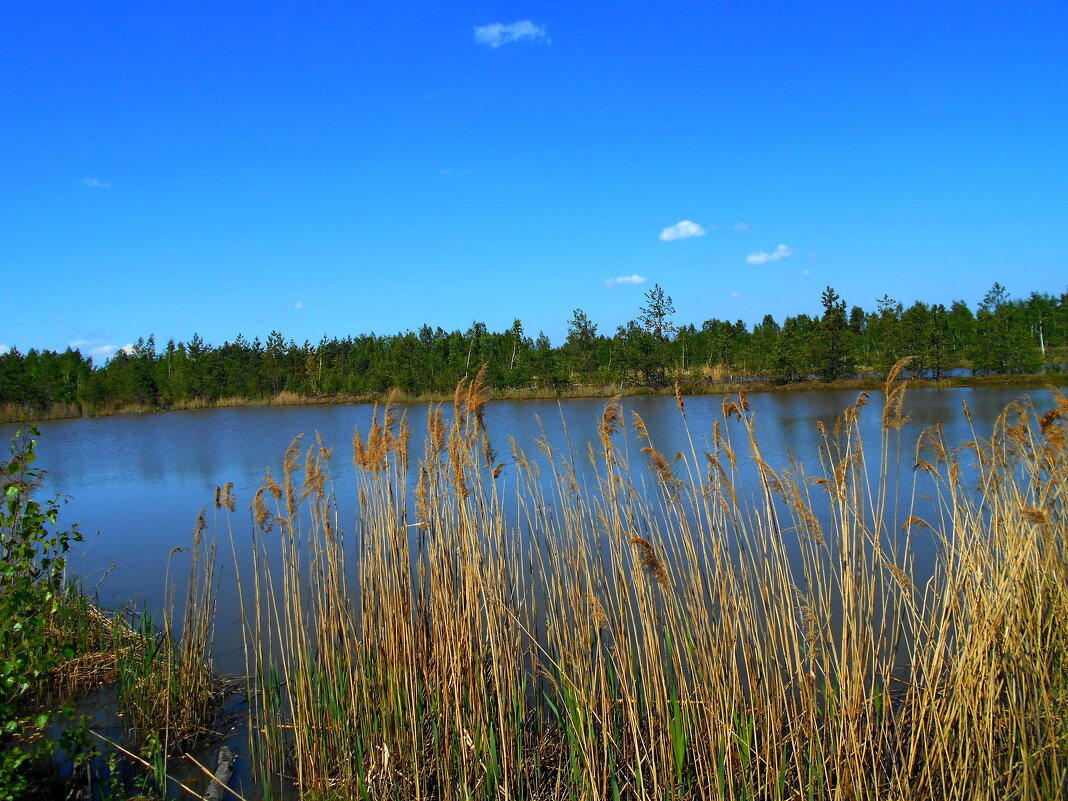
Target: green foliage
{"type": "Point", "coordinates": [580, 346]}
{"type": "Point", "coordinates": [655, 319]}
{"type": "Point", "coordinates": [32, 560]}
{"type": "Point", "coordinates": [832, 342]}
{"type": "Point", "coordinates": [1003, 336]}
{"type": "Point", "coordinates": [1009, 335]}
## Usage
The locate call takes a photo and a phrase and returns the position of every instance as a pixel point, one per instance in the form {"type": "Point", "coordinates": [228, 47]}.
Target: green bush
{"type": "Point", "coordinates": [32, 559]}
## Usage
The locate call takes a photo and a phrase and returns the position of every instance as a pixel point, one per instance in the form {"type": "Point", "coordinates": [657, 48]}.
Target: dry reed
{"type": "Point", "coordinates": [492, 632]}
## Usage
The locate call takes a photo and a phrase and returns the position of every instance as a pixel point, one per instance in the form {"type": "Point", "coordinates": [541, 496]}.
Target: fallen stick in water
{"type": "Point", "coordinates": [218, 789]}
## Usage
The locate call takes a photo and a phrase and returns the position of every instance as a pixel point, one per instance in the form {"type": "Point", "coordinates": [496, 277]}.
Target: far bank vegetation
{"type": "Point", "coordinates": [1001, 337]}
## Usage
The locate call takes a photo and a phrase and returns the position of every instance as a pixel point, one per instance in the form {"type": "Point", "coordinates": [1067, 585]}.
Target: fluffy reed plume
{"type": "Point", "coordinates": [271, 486]}
{"type": "Point", "coordinates": [597, 616]}
{"type": "Point", "coordinates": [611, 422]}
{"type": "Point", "coordinates": [261, 514]}
{"type": "Point", "coordinates": [495, 633]}
{"type": "Point", "coordinates": [660, 465]}
{"type": "Point", "coordinates": [893, 416]}
{"type": "Point", "coordinates": [289, 467]}
{"type": "Point", "coordinates": [314, 477]}
{"type": "Point", "coordinates": [731, 409]}
{"type": "Point", "coordinates": [224, 497]}
{"type": "Point", "coordinates": [435, 440]}
{"type": "Point", "coordinates": [649, 561]}
{"type": "Point", "coordinates": [1035, 515]}
{"type": "Point", "coordinates": [476, 398]}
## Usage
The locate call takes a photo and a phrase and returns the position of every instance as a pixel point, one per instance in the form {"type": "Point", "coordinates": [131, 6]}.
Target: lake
{"type": "Point", "coordinates": [135, 484]}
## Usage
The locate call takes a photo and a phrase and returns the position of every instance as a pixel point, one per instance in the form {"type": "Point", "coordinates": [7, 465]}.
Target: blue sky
{"type": "Point", "coordinates": [339, 168]}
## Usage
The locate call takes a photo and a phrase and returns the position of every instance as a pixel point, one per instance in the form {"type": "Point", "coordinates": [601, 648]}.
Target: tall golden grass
{"type": "Point", "coordinates": [505, 629]}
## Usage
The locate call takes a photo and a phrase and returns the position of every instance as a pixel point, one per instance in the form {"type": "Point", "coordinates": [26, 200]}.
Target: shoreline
{"type": "Point", "coordinates": [9, 415]}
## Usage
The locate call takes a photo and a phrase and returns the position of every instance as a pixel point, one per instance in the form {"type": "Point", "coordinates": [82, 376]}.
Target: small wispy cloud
{"type": "Point", "coordinates": [781, 252]}
{"type": "Point", "coordinates": [806, 272]}
{"type": "Point", "coordinates": [683, 229]}
{"type": "Point", "coordinates": [624, 279]}
{"type": "Point", "coordinates": [299, 304]}
{"type": "Point", "coordinates": [107, 351]}
{"type": "Point", "coordinates": [99, 349]}
{"type": "Point", "coordinates": [735, 295]}
{"type": "Point", "coordinates": [93, 183]}
{"type": "Point", "coordinates": [740, 226]}
{"type": "Point", "coordinates": [499, 33]}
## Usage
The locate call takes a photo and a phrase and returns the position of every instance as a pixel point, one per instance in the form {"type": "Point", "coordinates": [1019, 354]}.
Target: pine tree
{"type": "Point", "coordinates": [580, 343]}
{"type": "Point", "coordinates": [832, 345]}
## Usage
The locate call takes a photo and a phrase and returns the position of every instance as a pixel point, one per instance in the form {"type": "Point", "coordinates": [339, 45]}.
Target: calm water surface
{"type": "Point", "coordinates": [140, 480]}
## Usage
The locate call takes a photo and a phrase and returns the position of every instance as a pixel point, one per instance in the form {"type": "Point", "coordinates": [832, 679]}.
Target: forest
{"type": "Point", "coordinates": [1002, 335]}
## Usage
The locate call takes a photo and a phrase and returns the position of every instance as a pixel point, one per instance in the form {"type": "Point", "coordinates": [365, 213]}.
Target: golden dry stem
{"type": "Point", "coordinates": [742, 630]}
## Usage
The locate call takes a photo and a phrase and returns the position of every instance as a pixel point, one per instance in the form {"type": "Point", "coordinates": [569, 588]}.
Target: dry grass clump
{"type": "Point", "coordinates": [511, 632]}
{"type": "Point", "coordinates": [14, 412]}
{"type": "Point", "coordinates": [167, 688]}
{"type": "Point", "coordinates": [288, 398]}
{"type": "Point", "coordinates": [97, 640]}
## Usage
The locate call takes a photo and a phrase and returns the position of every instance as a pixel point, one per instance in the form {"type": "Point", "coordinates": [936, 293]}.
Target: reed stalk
{"type": "Point", "coordinates": [504, 629]}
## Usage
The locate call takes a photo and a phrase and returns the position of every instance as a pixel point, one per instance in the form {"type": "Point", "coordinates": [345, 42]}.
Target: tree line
{"type": "Point", "coordinates": [1002, 335]}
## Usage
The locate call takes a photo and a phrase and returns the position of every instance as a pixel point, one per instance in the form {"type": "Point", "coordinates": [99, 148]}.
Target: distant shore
{"type": "Point", "coordinates": [15, 413]}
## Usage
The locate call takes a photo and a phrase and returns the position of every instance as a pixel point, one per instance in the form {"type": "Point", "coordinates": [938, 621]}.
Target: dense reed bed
{"type": "Point", "coordinates": [506, 628]}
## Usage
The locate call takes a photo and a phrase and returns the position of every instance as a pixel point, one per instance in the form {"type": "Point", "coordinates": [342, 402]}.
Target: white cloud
{"type": "Point", "coordinates": [98, 349]}
{"type": "Point", "coordinates": [499, 34]}
{"type": "Point", "coordinates": [806, 272]}
{"type": "Point", "coordinates": [93, 183]}
{"type": "Point", "coordinates": [298, 305]}
{"type": "Point", "coordinates": [4, 349]}
{"type": "Point", "coordinates": [683, 229]}
{"type": "Point", "coordinates": [735, 295]}
{"type": "Point", "coordinates": [740, 226]}
{"type": "Point", "coordinates": [781, 252]}
{"type": "Point", "coordinates": [624, 279]}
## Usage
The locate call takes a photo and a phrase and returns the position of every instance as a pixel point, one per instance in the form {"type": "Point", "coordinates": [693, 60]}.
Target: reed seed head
{"type": "Point", "coordinates": [260, 513]}
{"type": "Point", "coordinates": [1035, 515]}
{"type": "Point", "coordinates": [649, 561]}
{"type": "Point", "coordinates": [611, 420]}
